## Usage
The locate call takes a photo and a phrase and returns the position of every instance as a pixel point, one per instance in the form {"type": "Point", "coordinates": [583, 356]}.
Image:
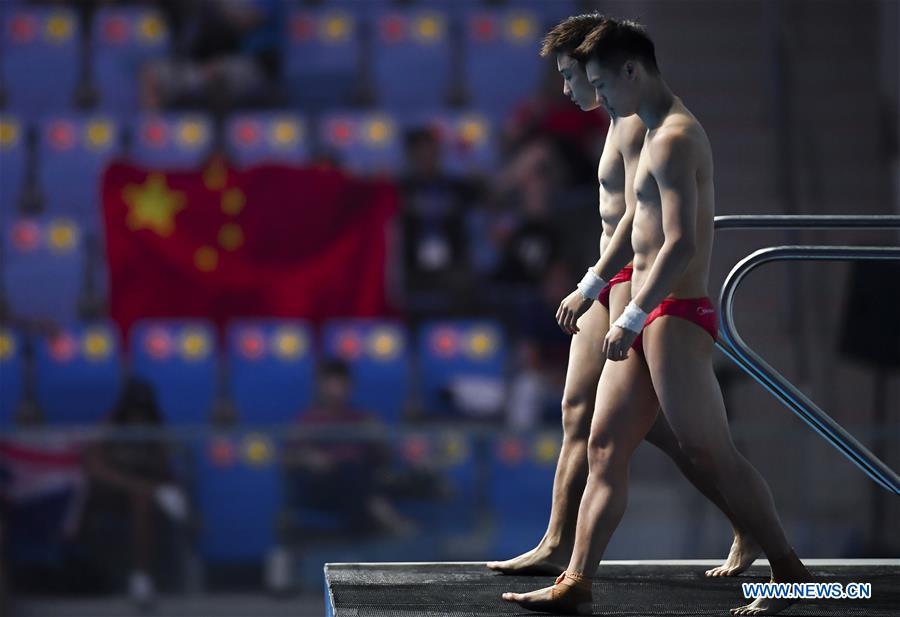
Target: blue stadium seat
{"type": "Point", "coordinates": [450, 351]}
{"type": "Point", "coordinates": [378, 355]}
{"type": "Point", "coordinates": [452, 455]}
{"type": "Point", "coordinates": [12, 374]}
{"type": "Point", "coordinates": [255, 138]}
{"type": "Point", "coordinates": [364, 142]}
{"type": "Point", "coordinates": [73, 151]}
{"type": "Point", "coordinates": [172, 140]}
{"type": "Point", "coordinates": [43, 268]}
{"type": "Point", "coordinates": [411, 59]}
{"type": "Point", "coordinates": [469, 139]}
{"type": "Point", "coordinates": [522, 470]}
{"type": "Point", "coordinates": [238, 492]}
{"type": "Point", "coordinates": [501, 63]}
{"type": "Point", "coordinates": [40, 59]}
{"type": "Point", "coordinates": [322, 57]}
{"type": "Point", "coordinates": [14, 156]}
{"type": "Point", "coordinates": [271, 369]}
{"type": "Point", "coordinates": [179, 359]}
{"type": "Point", "coordinates": [78, 373]}
{"type": "Point", "coordinates": [123, 40]}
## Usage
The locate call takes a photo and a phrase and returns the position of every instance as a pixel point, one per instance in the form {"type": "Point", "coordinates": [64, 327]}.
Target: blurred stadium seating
{"type": "Point", "coordinates": [172, 140]}
{"type": "Point", "coordinates": [268, 137]}
{"type": "Point", "coordinates": [78, 373]}
{"type": "Point", "coordinates": [271, 366]}
{"type": "Point", "coordinates": [40, 59]}
{"type": "Point", "coordinates": [378, 355]}
{"type": "Point", "coordinates": [43, 268]}
{"type": "Point", "coordinates": [72, 153]}
{"type": "Point", "coordinates": [412, 59]}
{"type": "Point", "coordinates": [459, 353]}
{"type": "Point", "coordinates": [238, 492]}
{"type": "Point", "coordinates": [522, 470]}
{"type": "Point", "coordinates": [123, 40]}
{"type": "Point", "coordinates": [179, 359]}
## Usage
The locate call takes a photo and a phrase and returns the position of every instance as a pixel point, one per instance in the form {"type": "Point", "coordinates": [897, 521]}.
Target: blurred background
{"type": "Point", "coordinates": [278, 283]}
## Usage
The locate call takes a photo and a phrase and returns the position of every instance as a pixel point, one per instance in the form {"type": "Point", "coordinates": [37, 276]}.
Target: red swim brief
{"type": "Point", "coordinates": [696, 310]}
{"type": "Point", "coordinates": [622, 276]}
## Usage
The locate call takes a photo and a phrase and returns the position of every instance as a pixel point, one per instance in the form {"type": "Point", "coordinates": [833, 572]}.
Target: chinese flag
{"type": "Point", "coordinates": [267, 241]}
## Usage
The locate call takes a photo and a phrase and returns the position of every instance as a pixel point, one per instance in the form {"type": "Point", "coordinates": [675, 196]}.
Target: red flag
{"type": "Point", "coordinates": [267, 241]}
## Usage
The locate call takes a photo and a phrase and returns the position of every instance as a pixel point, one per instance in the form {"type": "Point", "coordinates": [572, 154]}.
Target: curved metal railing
{"type": "Point", "coordinates": [802, 221]}
{"type": "Point", "coordinates": [733, 345]}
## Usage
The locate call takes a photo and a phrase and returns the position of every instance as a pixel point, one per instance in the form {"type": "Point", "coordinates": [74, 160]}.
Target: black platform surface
{"type": "Point", "coordinates": [637, 589]}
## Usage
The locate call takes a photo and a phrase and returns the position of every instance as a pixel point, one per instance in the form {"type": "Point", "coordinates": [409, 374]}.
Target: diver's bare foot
{"type": "Point", "coordinates": [571, 594]}
{"type": "Point", "coordinates": [786, 570]}
{"type": "Point", "coordinates": [744, 551]}
{"type": "Point", "coordinates": [536, 562]}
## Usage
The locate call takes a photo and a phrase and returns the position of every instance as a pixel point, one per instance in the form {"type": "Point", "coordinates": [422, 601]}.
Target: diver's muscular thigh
{"type": "Point", "coordinates": [679, 356]}
{"type": "Point", "coordinates": [626, 403]}
{"type": "Point", "coordinates": [586, 348]}
{"type": "Point", "coordinates": [586, 357]}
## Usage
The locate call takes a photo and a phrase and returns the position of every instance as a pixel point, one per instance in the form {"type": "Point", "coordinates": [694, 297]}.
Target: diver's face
{"type": "Point", "coordinates": [575, 82]}
{"type": "Point", "coordinates": [616, 89]}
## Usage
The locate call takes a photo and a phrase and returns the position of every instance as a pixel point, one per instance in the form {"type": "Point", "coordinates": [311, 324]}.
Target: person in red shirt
{"type": "Point", "coordinates": [338, 446]}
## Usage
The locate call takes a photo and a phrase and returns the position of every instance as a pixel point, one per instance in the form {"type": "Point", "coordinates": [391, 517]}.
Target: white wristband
{"type": "Point", "coordinates": [632, 318]}
{"type": "Point", "coordinates": [591, 285]}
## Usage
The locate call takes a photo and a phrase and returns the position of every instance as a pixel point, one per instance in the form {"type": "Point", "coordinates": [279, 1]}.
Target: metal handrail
{"type": "Point", "coordinates": [738, 350]}
{"type": "Point", "coordinates": [802, 221]}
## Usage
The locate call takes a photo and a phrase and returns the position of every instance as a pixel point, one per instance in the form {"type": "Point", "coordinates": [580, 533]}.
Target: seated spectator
{"type": "Point", "coordinates": [131, 480]}
{"type": "Point", "coordinates": [435, 207]}
{"type": "Point", "coordinates": [534, 241]}
{"type": "Point", "coordinates": [229, 50]}
{"type": "Point", "coordinates": [323, 468]}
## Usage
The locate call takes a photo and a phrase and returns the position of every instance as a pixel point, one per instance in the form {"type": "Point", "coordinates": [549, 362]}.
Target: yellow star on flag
{"type": "Point", "coordinates": [233, 201]}
{"type": "Point", "coordinates": [231, 236]}
{"type": "Point", "coordinates": [153, 205]}
{"type": "Point", "coordinates": [206, 258]}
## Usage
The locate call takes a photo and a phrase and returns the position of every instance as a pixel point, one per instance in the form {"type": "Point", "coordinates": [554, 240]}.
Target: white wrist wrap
{"type": "Point", "coordinates": [632, 318]}
{"type": "Point", "coordinates": [591, 285]}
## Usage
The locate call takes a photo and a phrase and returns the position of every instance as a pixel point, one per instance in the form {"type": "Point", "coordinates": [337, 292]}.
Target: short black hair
{"type": "Point", "coordinates": [568, 34]}
{"type": "Point", "coordinates": [614, 42]}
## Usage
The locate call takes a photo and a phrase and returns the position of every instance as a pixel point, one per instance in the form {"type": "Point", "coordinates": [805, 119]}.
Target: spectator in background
{"type": "Point", "coordinates": [435, 208]}
{"type": "Point", "coordinates": [533, 242]}
{"type": "Point", "coordinates": [343, 476]}
{"type": "Point", "coordinates": [131, 476]}
{"type": "Point", "coordinates": [228, 50]}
